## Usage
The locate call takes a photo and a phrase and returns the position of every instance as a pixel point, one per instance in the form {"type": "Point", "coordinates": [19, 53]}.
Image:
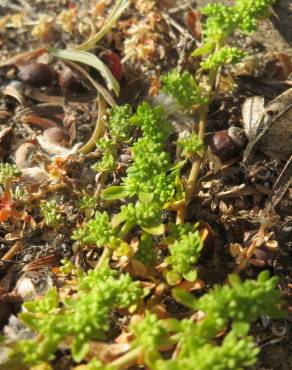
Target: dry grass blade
{"type": "Point", "coordinates": [91, 60]}
{"type": "Point", "coordinates": [281, 186]}
{"type": "Point", "coordinates": [99, 128]}
{"type": "Point", "coordinates": [100, 89]}
{"type": "Point", "coordinates": [115, 14]}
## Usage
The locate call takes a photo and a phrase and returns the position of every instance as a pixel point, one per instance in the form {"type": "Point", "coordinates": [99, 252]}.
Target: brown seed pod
{"type": "Point", "coordinates": [37, 74]}
{"type": "Point", "coordinates": [15, 90]}
{"type": "Point", "coordinates": [70, 81]}
{"type": "Point", "coordinates": [228, 143]}
{"type": "Point", "coordinates": [23, 155]}
{"type": "Point", "coordinates": [57, 135]}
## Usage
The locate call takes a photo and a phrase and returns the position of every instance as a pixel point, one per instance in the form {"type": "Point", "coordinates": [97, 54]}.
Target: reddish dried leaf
{"type": "Point", "coordinates": [39, 121]}
{"type": "Point", "coordinates": [191, 286]}
{"type": "Point", "coordinates": [124, 337]}
{"type": "Point", "coordinates": [193, 23]}
{"type": "Point", "coordinates": [113, 61]}
{"type": "Point", "coordinates": [139, 269]}
{"type": "Point", "coordinates": [5, 213]}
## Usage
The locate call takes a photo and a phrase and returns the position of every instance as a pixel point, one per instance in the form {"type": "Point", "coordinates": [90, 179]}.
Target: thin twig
{"type": "Point", "coordinates": [12, 251]}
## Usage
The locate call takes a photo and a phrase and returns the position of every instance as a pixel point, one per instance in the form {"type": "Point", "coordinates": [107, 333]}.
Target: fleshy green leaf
{"type": "Point", "coordinates": [79, 350]}
{"type": "Point", "coordinates": [155, 230]}
{"type": "Point", "coordinates": [118, 219]}
{"type": "Point", "coordinates": [146, 198]}
{"type": "Point", "coordinates": [114, 193]}
{"type": "Point", "coordinates": [173, 278]}
{"type": "Point", "coordinates": [191, 276]}
{"type": "Point", "coordinates": [203, 50]}
{"type": "Point", "coordinates": [241, 328]}
{"type": "Point", "coordinates": [183, 297]}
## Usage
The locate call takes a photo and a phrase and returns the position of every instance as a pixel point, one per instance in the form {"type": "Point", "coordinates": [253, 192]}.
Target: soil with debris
{"type": "Point", "coordinates": [42, 129]}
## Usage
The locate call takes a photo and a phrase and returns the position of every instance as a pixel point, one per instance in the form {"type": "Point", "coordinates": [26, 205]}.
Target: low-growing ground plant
{"type": "Point", "coordinates": [129, 231]}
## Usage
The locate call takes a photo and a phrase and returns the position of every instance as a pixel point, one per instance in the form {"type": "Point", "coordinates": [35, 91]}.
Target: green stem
{"type": "Point", "coordinates": [126, 228]}
{"type": "Point", "coordinates": [104, 256]}
{"type": "Point", "coordinates": [194, 173]}
{"type": "Point", "coordinates": [195, 170]}
{"type": "Point", "coordinates": [127, 360]}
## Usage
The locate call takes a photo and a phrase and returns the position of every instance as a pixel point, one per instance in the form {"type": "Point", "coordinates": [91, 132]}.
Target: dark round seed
{"type": "Point", "coordinates": [228, 143]}
{"type": "Point", "coordinates": [37, 74]}
{"type": "Point", "coordinates": [70, 81]}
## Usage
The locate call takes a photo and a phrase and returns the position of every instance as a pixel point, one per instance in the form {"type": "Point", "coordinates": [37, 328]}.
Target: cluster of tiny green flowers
{"type": "Point", "coordinates": [120, 128]}
{"type": "Point", "coordinates": [152, 122]}
{"type": "Point", "coordinates": [241, 302]}
{"type": "Point", "coordinates": [109, 151]}
{"type": "Point", "coordinates": [163, 187]}
{"type": "Point", "coordinates": [195, 340]}
{"type": "Point", "coordinates": [99, 293]}
{"type": "Point", "coordinates": [234, 353]}
{"type": "Point", "coordinates": [82, 317]}
{"type": "Point", "coordinates": [67, 266]}
{"type": "Point", "coordinates": [41, 316]}
{"type": "Point", "coordinates": [250, 11]}
{"type": "Point", "coordinates": [183, 87]}
{"type": "Point", "coordinates": [50, 212]}
{"type": "Point", "coordinates": [119, 122]}
{"type": "Point", "coordinates": [177, 231]}
{"type": "Point", "coordinates": [148, 333]}
{"type": "Point", "coordinates": [87, 201]}
{"type": "Point", "coordinates": [191, 145]}
{"type": "Point", "coordinates": [225, 55]}
{"type": "Point", "coordinates": [8, 172]}
{"type": "Point", "coordinates": [185, 253]}
{"type": "Point", "coordinates": [143, 215]}
{"type": "Point", "coordinates": [149, 160]}
{"type": "Point", "coordinates": [97, 231]}
{"type": "Point", "coordinates": [150, 171]}
{"type": "Point", "coordinates": [97, 365]}
{"type": "Point", "coordinates": [223, 19]}
{"type": "Point", "coordinates": [146, 251]}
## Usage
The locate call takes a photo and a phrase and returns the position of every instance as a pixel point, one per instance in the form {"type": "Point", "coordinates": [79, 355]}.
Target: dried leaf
{"type": "Point", "coordinates": [34, 175]}
{"type": "Point", "coordinates": [138, 268]}
{"type": "Point", "coordinates": [273, 133]}
{"type": "Point", "coordinates": [281, 186]}
{"type": "Point", "coordinates": [192, 286]}
{"type": "Point", "coordinates": [235, 250]}
{"type": "Point", "coordinates": [106, 352]}
{"type": "Point", "coordinates": [55, 149]}
{"type": "Point", "coordinates": [24, 58]}
{"type": "Point", "coordinates": [38, 121]}
{"type": "Point", "coordinates": [272, 245]}
{"type": "Point", "coordinates": [252, 112]}
{"type": "Point", "coordinates": [193, 22]}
